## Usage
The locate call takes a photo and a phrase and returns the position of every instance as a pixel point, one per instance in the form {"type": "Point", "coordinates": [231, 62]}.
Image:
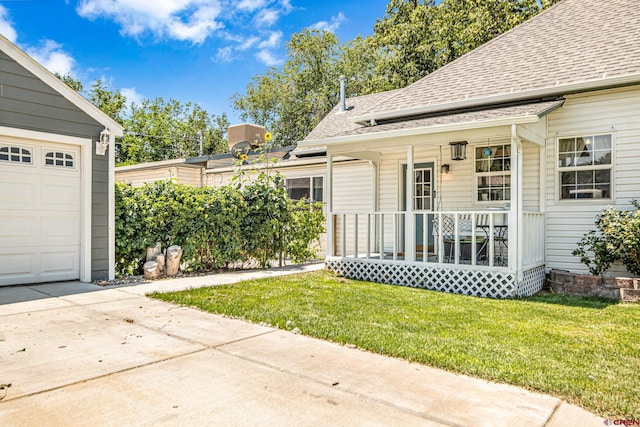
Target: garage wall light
{"type": "Point", "coordinates": [103, 142]}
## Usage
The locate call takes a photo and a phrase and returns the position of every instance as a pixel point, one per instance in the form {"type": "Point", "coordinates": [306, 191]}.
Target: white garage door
{"type": "Point", "coordinates": [39, 212]}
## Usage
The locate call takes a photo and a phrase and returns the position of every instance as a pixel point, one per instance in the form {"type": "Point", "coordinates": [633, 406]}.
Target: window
{"type": "Point", "coordinates": [58, 159]}
{"type": "Point", "coordinates": [584, 165]}
{"type": "Point", "coordinates": [15, 154]}
{"type": "Point", "coordinates": [493, 173]}
{"type": "Point", "coordinates": [305, 188]}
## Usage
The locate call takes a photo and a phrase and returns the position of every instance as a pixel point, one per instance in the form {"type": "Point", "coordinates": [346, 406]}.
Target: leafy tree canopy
{"type": "Point", "coordinates": [413, 39]}
{"type": "Point", "coordinates": [156, 129]}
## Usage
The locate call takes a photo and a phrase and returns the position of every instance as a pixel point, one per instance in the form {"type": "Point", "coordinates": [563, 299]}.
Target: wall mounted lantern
{"type": "Point", "coordinates": [103, 142]}
{"type": "Point", "coordinates": [445, 168]}
{"type": "Point", "coordinates": [458, 150]}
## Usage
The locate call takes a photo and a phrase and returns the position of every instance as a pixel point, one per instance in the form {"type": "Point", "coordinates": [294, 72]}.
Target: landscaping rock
{"type": "Point", "coordinates": [174, 253]}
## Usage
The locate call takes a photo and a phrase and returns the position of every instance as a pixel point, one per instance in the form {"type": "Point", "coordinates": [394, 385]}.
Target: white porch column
{"type": "Point", "coordinates": [409, 227]}
{"type": "Point", "coordinates": [516, 212]}
{"type": "Point", "coordinates": [329, 206]}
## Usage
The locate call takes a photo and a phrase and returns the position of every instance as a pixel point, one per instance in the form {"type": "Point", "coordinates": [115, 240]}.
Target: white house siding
{"type": "Point", "coordinates": [353, 191]}
{"type": "Point", "coordinates": [189, 175]}
{"type": "Point", "coordinates": [181, 174]}
{"type": "Point", "coordinates": [614, 111]}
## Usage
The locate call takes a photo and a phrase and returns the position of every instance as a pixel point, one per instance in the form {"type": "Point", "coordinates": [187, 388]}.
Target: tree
{"type": "Point", "coordinates": [111, 102]}
{"type": "Point", "coordinates": [291, 101]}
{"type": "Point", "coordinates": [71, 82]}
{"type": "Point", "coordinates": [162, 130]}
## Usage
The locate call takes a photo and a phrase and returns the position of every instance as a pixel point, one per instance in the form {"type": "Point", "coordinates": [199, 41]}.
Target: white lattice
{"type": "Point", "coordinates": [533, 281]}
{"type": "Point", "coordinates": [482, 283]}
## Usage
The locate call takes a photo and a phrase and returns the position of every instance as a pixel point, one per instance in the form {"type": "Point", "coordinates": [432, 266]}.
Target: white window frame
{"type": "Point", "coordinates": [311, 179]}
{"type": "Point", "coordinates": [21, 146]}
{"type": "Point", "coordinates": [73, 154]}
{"type": "Point", "coordinates": [559, 170]}
{"type": "Point", "coordinates": [490, 173]}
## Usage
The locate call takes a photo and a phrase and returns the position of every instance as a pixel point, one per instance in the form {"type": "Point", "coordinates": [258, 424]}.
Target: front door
{"type": "Point", "coordinates": [423, 195]}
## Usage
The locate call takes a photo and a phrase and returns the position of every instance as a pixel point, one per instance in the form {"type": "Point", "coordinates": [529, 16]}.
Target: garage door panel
{"type": "Point", "coordinates": [60, 230]}
{"type": "Point", "coordinates": [18, 265]}
{"type": "Point", "coordinates": [19, 229]}
{"type": "Point", "coordinates": [16, 194]}
{"type": "Point", "coordinates": [57, 195]}
{"type": "Point", "coordinates": [62, 262]}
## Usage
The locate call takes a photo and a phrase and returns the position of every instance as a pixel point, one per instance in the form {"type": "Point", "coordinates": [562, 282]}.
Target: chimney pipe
{"type": "Point", "coordinates": [343, 102]}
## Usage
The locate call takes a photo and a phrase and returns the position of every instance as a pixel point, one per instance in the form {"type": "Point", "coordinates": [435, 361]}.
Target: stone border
{"type": "Point", "coordinates": [626, 289]}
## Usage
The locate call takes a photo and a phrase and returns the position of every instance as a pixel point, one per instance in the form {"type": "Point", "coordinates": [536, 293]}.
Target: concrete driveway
{"type": "Point", "coordinates": [85, 355]}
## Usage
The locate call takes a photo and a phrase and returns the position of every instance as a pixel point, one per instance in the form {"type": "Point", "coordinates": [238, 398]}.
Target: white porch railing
{"type": "Point", "coordinates": [533, 239]}
{"type": "Point", "coordinates": [466, 238]}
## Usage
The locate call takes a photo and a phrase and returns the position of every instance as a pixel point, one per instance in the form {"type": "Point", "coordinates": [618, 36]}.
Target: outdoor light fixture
{"type": "Point", "coordinates": [445, 168]}
{"type": "Point", "coordinates": [458, 150]}
{"type": "Point", "coordinates": [103, 142]}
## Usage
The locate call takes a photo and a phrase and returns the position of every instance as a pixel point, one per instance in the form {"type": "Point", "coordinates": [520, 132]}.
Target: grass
{"type": "Point", "coordinates": [585, 351]}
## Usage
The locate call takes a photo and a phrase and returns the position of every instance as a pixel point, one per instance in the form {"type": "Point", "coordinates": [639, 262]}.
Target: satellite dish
{"type": "Point", "coordinates": [239, 148]}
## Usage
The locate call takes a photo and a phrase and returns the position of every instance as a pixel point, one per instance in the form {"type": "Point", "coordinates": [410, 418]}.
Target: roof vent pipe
{"type": "Point", "coordinates": [343, 102]}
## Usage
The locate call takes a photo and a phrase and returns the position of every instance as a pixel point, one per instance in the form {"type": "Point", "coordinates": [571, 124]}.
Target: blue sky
{"type": "Point", "coordinates": [201, 51]}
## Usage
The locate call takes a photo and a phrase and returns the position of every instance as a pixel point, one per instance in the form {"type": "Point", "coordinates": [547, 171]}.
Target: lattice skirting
{"type": "Point", "coordinates": [482, 283]}
{"type": "Point", "coordinates": [533, 281]}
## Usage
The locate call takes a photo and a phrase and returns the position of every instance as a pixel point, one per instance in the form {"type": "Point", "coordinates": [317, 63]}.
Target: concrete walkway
{"type": "Point", "coordinates": [80, 354]}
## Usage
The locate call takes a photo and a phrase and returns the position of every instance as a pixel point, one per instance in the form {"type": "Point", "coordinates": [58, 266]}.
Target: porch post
{"type": "Point", "coordinates": [515, 214]}
{"type": "Point", "coordinates": [329, 206]}
{"type": "Point", "coordinates": [409, 227]}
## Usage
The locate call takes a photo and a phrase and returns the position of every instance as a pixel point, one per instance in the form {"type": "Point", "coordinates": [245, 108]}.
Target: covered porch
{"type": "Point", "coordinates": [474, 226]}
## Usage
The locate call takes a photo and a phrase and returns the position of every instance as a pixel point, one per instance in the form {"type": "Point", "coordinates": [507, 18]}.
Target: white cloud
{"type": "Point", "coordinates": [268, 58]}
{"type": "Point", "coordinates": [272, 42]}
{"type": "Point", "coordinates": [267, 18]}
{"type": "Point", "coordinates": [332, 26]}
{"type": "Point", "coordinates": [248, 43]}
{"type": "Point", "coordinates": [243, 24]}
{"type": "Point", "coordinates": [224, 54]}
{"type": "Point", "coordinates": [6, 26]}
{"type": "Point", "coordinates": [184, 20]}
{"type": "Point", "coordinates": [251, 5]}
{"type": "Point", "coordinates": [133, 97]}
{"type": "Point", "coordinates": [53, 57]}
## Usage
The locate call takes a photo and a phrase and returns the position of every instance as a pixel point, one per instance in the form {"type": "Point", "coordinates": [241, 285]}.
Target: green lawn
{"type": "Point", "coordinates": [586, 351]}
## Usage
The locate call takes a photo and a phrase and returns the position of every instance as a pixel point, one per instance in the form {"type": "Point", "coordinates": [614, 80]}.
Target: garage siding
{"type": "Point", "coordinates": [28, 103]}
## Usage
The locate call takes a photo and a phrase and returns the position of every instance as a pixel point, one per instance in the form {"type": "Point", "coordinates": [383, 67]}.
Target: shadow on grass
{"type": "Point", "coordinates": [571, 301]}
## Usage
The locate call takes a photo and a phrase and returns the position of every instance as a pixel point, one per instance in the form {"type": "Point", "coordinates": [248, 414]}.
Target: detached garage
{"type": "Point", "coordinates": [56, 178]}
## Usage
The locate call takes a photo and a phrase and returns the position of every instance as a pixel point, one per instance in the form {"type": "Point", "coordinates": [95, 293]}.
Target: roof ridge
{"type": "Point", "coordinates": [484, 46]}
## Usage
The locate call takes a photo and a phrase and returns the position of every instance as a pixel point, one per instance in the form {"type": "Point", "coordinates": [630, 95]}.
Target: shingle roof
{"type": "Point", "coordinates": [440, 120]}
{"type": "Point", "coordinates": [574, 41]}
{"type": "Point", "coordinates": [337, 123]}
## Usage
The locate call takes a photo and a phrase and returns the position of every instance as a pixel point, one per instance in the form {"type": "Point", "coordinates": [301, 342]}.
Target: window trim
{"type": "Point", "coordinates": [74, 157]}
{"type": "Point", "coordinates": [501, 173]}
{"type": "Point", "coordinates": [611, 167]}
{"type": "Point", "coordinates": [311, 179]}
{"type": "Point", "coordinates": [10, 145]}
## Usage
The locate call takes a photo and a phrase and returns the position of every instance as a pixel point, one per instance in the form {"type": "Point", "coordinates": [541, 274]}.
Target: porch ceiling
{"type": "Point", "coordinates": [333, 134]}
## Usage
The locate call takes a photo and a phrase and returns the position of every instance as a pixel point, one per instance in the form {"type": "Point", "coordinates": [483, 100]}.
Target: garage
{"type": "Point", "coordinates": [56, 178]}
{"type": "Point", "coordinates": [40, 221]}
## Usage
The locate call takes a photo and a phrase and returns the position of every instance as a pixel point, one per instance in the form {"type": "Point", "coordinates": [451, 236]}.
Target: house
{"type": "Point", "coordinates": [488, 171]}
{"type": "Point", "coordinates": [56, 177]}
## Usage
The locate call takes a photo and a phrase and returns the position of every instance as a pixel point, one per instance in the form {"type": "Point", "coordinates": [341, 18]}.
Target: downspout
{"type": "Point", "coordinates": [517, 215]}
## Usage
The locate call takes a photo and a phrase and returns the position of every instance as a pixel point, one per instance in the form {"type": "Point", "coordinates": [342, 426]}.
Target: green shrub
{"type": "Point", "coordinates": [250, 219]}
{"type": "Point", "coordinates": [616, 238]}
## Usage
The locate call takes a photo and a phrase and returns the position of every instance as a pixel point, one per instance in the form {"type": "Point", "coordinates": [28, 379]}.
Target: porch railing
{"type": "Point", "coordinates": [474, 238]}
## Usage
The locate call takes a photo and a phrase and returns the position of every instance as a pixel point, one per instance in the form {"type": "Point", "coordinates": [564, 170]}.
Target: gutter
{"type": "Point", "coordinates": [557, 89]}
{"type": "Point", "coordinates": [424, 130]}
